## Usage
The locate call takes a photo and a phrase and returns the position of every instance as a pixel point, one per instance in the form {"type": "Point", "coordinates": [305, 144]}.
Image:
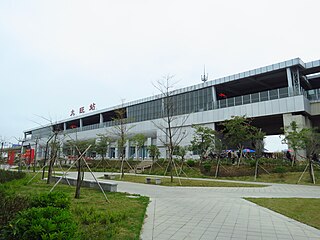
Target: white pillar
{"type": "Point", "coordinates": [302, 122]}
{"type": "Point", "coordinates": [149, 143]}
{"type": "Point", "coordinates": [136, 152]}
{"type": "Point", "coordinates": [81, 123]}
{"type": "Point", "coordinates": [214, 97]}
{"type": "Point", "coordinates": [127, 149]}
{"type": "Point", "coordinates": [101, 119]}
{"type": "Point", "coordinates": [116, 152]}
{"type": "Point", "coordinates": [289, 78]}
{"type": "Point", "coordinates": [64, 126]}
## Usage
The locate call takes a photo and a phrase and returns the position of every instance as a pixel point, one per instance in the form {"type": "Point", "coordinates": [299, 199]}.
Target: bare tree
{"type": "Point", "coordinates": [54, 146]}
{"type": "Point", "coordinates": [121, 131]}
{"type": "Point", "coordinates": [170, 124]}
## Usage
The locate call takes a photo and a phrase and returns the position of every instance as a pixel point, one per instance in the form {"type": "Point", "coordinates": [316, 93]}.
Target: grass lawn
{"type": "Point", "coordinates": [289, 177]}
{"type": "Point", "coordinates": [185, 182]}
{"type": "Point", "coordinates": [306, 210]}
{"type": "Point", "coordinates": [121, 219]}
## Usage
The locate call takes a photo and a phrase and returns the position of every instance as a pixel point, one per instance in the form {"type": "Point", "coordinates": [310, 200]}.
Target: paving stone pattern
{"type": "Point", "coordinates": [182, 213]}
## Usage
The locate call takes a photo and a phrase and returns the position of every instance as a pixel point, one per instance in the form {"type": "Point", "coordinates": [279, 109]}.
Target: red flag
{"type": "Point", "coordinates": [11, 155]}
{"type": "Point", "coordinates": [222, 95]}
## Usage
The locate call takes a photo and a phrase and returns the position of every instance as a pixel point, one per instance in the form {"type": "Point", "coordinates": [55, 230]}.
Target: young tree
{"type": "Point", "coordinates": [311, 139]}
{"type": "Point", "coordinates": [238, 131]}
{"type": "Point", "coordinates": [293, 137]}
{"type": "Point", "coordinates": [303, 139]}
{"type": "Point", "coordinates": [171, 124]}
{"type": "Point", "coordinates": [258, 145]}
{"type": "Point", "coordinates": [181, 152]}
{"type": "Point", "coordinates": [121, 131]}
{"type": "Point", "coordinates": [101, 147]}
{"type": "Point", "coordinates": [54, 147]}
{"type": "Point", "coordinates": [138, 141]}
{"type": "Point", "coordinates": [203, 140]}
{"type": "Point", "coordinates": [154, 152]}
{"type": "Point", "coordinates": [78, 147]}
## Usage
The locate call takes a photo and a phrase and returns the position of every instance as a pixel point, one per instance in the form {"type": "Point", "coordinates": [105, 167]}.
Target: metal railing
{"type": "Point", "coordinates": [312, 95]}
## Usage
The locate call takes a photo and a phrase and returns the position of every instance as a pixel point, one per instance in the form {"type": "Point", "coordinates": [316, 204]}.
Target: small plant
{"type": "Point", "coordinates": [6, 176]}
{"type": "Point", "coordinates": [191, 163]}
{"type": "Point", "coordinates": [41, 223]}
{"type": "Point", "coordinates": [280, 169]}
{"type": "Point", "coordinates": [54, 199]}
{"type": "Point", "coordinates": [10, 205]}
{"type": "Point", "coordinates": [207, 167]}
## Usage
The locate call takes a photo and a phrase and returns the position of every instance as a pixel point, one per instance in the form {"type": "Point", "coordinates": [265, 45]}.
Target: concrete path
{"type": "Point", "coordinates": [219, 213]}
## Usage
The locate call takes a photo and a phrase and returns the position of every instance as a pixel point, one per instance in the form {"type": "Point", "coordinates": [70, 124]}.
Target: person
{"type": "Point", "coordinates": [289, 157]}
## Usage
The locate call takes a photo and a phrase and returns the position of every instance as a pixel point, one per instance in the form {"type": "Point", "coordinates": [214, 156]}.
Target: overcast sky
{"type": "Point", "coordinates": [56, 56]}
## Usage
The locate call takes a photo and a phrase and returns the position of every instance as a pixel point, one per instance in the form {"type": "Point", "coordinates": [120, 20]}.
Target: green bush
{"type": "Point", "coordinates": [191, 163]}
{"type": "Point", "coordinates": [6, 176]}
{"type": "Point", "coordinates": [10, 205]}
{"type": "Point", "coordinates": [41, 223]}
{"type": "Point", "coordinates": [207, 167]}
{"type": "Point", "coordinates": [54, 199]}
{"type": "Point", "coordinates": [280, 169]}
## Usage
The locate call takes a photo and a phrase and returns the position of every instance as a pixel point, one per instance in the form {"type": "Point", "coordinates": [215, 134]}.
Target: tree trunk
{"type": "Point", "coordinates": [79, 181]}
{"type": "Point", "coordinates": [122, 170]}
{"type": "Point", "coordinates": [240, 158]}
{"type": "Point", "coordinates": [54, 152]}
{"type": "Point", "coordinates": [217, 168]}
{"type": "Point", "coordinates": [171, 171]}
{"type": "Point", "coordinates": [52, 160]}
{"type": "Point", "coordinates": [256, 169]}
{"type": "Point", "coordinates": [311, 172]}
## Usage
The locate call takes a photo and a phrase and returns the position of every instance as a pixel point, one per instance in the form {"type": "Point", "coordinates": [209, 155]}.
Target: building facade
{"type": "Point", "coordinates": [273, 96]}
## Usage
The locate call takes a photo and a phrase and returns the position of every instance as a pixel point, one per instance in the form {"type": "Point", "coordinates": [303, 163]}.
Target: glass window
{"type": "Point", "coordinates": [264, 96]}
{"type": "Point", "coordinates": [238, 100]}
{"type": "Point", "coordinates": [230, 102]}
{"type": "Point", "coordinates": [254, 97]}
{"type": "Point", "coordinates": [246, 99]}
{"type": "Point", "coordinates": [283, 92]}
{"type": "Point", "coordinates": [223, 103]}
{"type": "Point", "coordinates": [273, 94]}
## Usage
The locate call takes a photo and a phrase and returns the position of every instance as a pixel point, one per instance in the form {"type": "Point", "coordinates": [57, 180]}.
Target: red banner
{"type": "Point", "coordinates": [29, 156]}
{"type": "Point", "coordinates": [11, 155]}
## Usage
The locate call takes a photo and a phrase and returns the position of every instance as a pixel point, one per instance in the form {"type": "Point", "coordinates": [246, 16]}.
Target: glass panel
{"type": "Point", "coordinates": [246, 99]}
{"type": "Point", "coordinates": [223, 103]}
{"type": "Point", "coordinates": [273, 94]}
{"type": "Point", "coordinates": [264, 96]}
{"type": "Point", "coordinates": [230, 102]}
{"type": "Point", "coordinates": [238, 100]}
{"type": "Point", "coordinates": [283, 92]}
{"type": "Point", "coordinates": [255, 97]}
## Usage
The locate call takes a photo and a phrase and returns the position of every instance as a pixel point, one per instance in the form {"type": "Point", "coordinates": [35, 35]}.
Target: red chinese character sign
{"type": "Point", "coordinates": [92, 107]}
{"type": "Point", "coordinates": [82, 110]}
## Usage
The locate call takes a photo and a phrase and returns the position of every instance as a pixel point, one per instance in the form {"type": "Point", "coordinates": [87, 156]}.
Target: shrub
{"type": "Point", "coordinates": [280, 169]}
{"type": "Point", "coordinates": [191, 163]}
{"type": "Point", "coordinates": [6, 176]}
{"type": "Point", "coordinates": [10, 205]}
{"type": "Point", "coordinates": [207, 167]}
{"type": "Point", "coordinates": [54, 199]}
{"type": "Point", "coordinates": [41, 223]}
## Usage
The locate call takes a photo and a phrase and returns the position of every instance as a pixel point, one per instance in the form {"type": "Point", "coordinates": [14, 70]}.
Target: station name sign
{"type": "Point", "coordinates": [82, 109]}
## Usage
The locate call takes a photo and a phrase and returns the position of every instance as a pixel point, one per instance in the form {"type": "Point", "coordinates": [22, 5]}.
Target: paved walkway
{"type": "Point", "coordinates": [219, 213]}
